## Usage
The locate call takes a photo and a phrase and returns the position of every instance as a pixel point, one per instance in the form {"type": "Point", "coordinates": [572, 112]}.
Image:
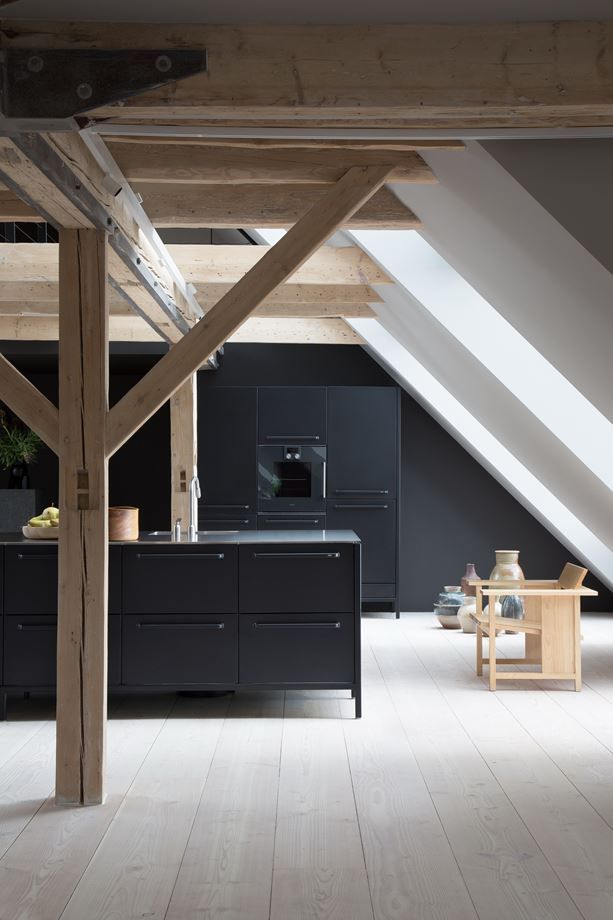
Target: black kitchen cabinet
{"type": "Point", "coordinates": [30, 644]}
{"type": "Point", "coordinates": [291, 415]}
{"type": "Point", "coordinates": [295, 647]}
{"type": "Point", "coordinates": [376, 525]}
{"type": "Point", "coordinates": [180, 578]}
{"type": "Point", "coordinates": [30, 579]}
{"type": "Point", "coordinates": [181, 651]}
{"type": "Point", "coordinates": [362, 442]}
{"type": "Point", "coordinates": [300, 577]}
{"type": "Point", "coordinates": [227, 438]}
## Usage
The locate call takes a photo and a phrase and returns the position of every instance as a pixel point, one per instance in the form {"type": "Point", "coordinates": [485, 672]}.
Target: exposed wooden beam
{"type": "Point", "coordinates": [228, 264]}
{"type": "Point", "coordinates": [324, 331]}
{"type": "Point", "coordinates": [202, 264]}
{"type": "Point", "coordinates": [183, 134]}
{"type": "Point", "coordinates": [29, 404]}
{"type": "Point", "coordinates": [60, 177]}
{"type": "Point", "coordinates": [207, 165]}
{"type": "Point", "coordinates": [47, 329]}
{"type": "Point", "coordinates": [12, 208]}
{"type": "Point", "coordinates": [210, 293]}
{"type": "Point", "coordinates": [19, 319]}
{"type": "Point", "coordinates": [183, 448]}
{"type": "Point", "coordinates": [182, 205]}
{"type": "Point", "coordinates": [278, 264]}
{"type": "Point", "coordinates": [83, 536]}
{"type": "Point", "coordinates": [442, 75]}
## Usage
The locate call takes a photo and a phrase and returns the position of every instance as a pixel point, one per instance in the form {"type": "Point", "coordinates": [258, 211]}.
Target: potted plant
{"type": "Point", "coordinates": [18, 447]}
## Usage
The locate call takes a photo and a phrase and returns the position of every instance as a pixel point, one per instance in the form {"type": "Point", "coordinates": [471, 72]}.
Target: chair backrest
{"type": "Point", "coordinates": [572, 576]}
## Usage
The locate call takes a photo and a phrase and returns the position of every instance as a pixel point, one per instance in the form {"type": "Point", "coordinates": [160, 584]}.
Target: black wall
{"type": "Point", "coordinates": [452, 510]}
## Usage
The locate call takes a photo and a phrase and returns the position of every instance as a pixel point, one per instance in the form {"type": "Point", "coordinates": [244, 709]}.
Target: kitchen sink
{"type": "Point", "coordinates": [201, 533]}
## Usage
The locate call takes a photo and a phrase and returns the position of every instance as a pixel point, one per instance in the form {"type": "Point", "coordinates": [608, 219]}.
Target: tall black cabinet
{"type": "Point", "coordinates": [359, 427]}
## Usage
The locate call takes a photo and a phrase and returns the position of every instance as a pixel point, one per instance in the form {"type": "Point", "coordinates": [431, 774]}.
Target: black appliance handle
{"type": "Point", "coordinates": [296, 555]}
{"type": "Point", "coordinates": [180, 556]}
{"type": "Point", "coordinates": [228, 521]}
{"type": "Point", "coordinates": [36, 627]}
{"type": "Point", "coordinates": [362, 491]}
{"type": "Point", "coordinates": [297, 438]}
{"type": "Point", "coordinates": [171, 625]}
{"type": "Point", "coordinates": [373, 507]}
{"type": "Point", "coordinates": [305, 625]}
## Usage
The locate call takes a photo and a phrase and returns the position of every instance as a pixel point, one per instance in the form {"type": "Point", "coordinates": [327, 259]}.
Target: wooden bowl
{"type": "Point", "coordinates": [123, 523]}
{"type": "Point", "coordinates": [40, 533]}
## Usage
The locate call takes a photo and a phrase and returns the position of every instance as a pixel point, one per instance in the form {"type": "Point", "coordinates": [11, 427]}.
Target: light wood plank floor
{"type": "Point", "coordinates": [445, 802]}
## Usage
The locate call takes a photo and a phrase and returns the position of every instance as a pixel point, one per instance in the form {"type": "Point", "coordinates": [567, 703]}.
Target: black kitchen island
{"type": "Point", "coordinates": [257, 609]}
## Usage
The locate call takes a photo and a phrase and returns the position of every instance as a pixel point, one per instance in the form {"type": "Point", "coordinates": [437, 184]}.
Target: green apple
{"type": "Point", "coordinates": [51, 513]}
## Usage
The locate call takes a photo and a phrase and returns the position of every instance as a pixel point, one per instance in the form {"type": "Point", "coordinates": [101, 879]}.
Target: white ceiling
{"type": "Point", "coordinates": [316, 11]}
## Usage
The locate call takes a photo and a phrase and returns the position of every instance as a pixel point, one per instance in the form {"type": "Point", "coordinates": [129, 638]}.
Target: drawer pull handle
{"type": "Point", "coordinates": [171, 625]}
{"type": "Point", "coordinates": [179, 555]}
{"type": "Point", "coordinates": [306, 625]}
{"type": "Point", "coordinates": [36, 627]}
{"type": "Point", "coordinates": [292, 437]}
{"type": "Point", "coordinates": [225, 521]}
{"type": "Point", "coordinates": [363, 507]}
{"type": "Point", "coordinates": [362, 491]}
{"type": "Point", "coordinates": [289, 521]}
{"type": "Point", "coordinates": [296, 555]}
{"type": "Point", "coordinates": [25, 556]}
{"type": "Point", "coordinates": [205, 506]}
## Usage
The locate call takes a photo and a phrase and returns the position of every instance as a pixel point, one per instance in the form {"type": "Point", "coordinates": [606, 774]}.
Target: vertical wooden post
{"type": "Point", "coordinates": [83, 548]}
{"type": "Point", "coordinates": [183, 447]}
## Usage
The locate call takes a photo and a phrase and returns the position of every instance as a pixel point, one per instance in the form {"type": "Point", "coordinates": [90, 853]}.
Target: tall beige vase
{"type": "Point", "coordinates": [507, 566]}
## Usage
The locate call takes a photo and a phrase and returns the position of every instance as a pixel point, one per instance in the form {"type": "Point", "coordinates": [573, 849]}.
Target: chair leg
{"type": "Point", "coordinates": [492, 642]}
{"type": "Point", "coordinates": [578, 637]}
{"type": "Point", "coordinates": [479, 651]}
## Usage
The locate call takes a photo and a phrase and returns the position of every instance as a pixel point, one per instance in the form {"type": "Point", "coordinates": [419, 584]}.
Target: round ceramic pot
{"type": "Point", "coordinates": [507, 566]}
{"type": "Point", "coordinates": [497, 612]}
{"type": "Point", "coordinates": [464, 615]}
{"type": "Point", "coordinates": [447, 615]}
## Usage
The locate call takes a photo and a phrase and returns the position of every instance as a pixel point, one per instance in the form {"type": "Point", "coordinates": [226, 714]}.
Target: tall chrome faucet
{"type": "Point", "coordinates": [194, 495]}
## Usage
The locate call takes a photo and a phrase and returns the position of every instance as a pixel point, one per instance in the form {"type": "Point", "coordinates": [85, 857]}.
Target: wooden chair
{"type": "Point", "coordinates": [551, 628]}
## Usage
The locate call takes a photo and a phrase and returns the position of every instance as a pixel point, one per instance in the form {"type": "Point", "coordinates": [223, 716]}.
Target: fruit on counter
{"type": "Point", "coordinates": [39, 521]}
{"type": "Point", "coordinates": [50, 517]}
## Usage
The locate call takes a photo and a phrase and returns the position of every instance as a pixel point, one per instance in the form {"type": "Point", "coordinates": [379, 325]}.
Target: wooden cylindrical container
{"type": "Point", "coordinates": [123, 523]}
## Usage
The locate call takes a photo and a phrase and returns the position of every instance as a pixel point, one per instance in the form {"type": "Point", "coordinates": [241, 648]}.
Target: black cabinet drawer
{"type": "Point", "coordinates": [31, 580]}
{"type": "Point", "coordinates": [291, 415]}
{"type": "Point", "coordinates": [291, 522]}
{"type": "Point", "coordinates": [301, 577]}
{"type": "Point", "coordinates": [30, 651]}
{"type": "Point", "coordinates": [190, 578]}
{"type": "Point", "coordinates": [375, 524]}
{"type": "Point", "coordinates": [228, 521]}
{"type": "Point", "coordinates": [296, 648]}
{"type": "Point", "coordinates": [179, 651]}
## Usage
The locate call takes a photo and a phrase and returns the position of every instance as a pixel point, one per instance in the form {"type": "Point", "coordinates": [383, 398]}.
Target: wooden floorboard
{"type": "Point", "coordinates": [445, 802]}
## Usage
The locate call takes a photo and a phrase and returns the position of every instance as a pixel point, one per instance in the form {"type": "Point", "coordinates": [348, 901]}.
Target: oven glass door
{"type": "Point", "coordinates": [291, 478]}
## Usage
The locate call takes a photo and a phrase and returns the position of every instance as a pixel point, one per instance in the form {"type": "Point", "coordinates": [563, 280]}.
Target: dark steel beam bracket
{"type": "Point", "coordinates": [46, 89]}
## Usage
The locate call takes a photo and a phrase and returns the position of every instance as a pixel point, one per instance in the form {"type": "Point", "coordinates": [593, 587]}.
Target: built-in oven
{"type": "Point", "coordinates": [291, 478]}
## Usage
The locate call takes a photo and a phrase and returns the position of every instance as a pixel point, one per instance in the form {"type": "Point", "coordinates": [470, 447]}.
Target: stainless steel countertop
{"type": "Point", "coordinates": [240, 538]}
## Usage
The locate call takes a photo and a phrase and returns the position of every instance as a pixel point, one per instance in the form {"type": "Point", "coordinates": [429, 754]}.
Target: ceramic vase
{"type": "Point", "coordinates": [464, 615]}
{"type": "Point", "coordinates": [512, 606]}
{"type": "Point", "coordinates": [507, 566]}
{"type": "Point", "coordinates": [469, 590]}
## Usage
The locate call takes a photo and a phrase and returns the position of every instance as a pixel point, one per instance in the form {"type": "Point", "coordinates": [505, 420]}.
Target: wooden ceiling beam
{"type": "Point", "coordinates": [29, 404]}
{"type": "Point", "coordinates": [206, 165]}
{"type": "Point", "coordinates": [209, 293]}
{"type": "Point", "coordinates": [219, 206]}
{"type": "Point", "coordinates": [42, 312]}
{"type": "Point", "coordinates": [12, 208]}
{"type": "Point", "coordinates": [457, 76]}
{"type": "Point", "coordinates": [37, 264]}
{"type": "Point", "coordinates": [323, 331]}
{"type": "Point", "coordinates": [227, 264]}
{"type": "Point", "coordinates": [191, 136]}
